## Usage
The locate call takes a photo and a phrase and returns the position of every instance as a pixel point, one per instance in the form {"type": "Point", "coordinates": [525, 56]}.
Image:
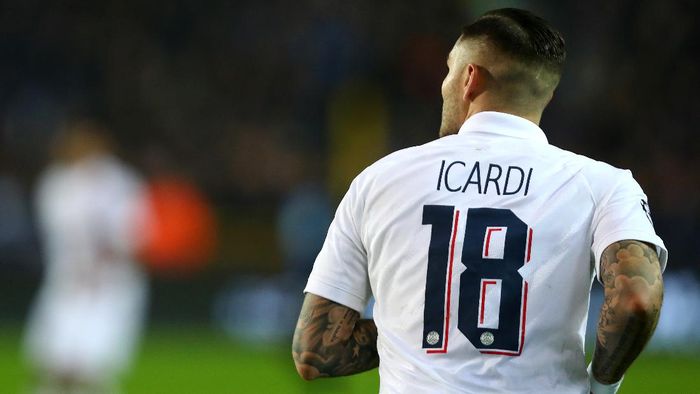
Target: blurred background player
{"type": "Point", "coordinates": [89, 311]}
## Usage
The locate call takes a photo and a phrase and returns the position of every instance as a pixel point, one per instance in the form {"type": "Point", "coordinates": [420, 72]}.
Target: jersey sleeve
{"type": "Point", "coordinates": [340, 269]}
{"type": "Point", "coordinates": [624, 215]}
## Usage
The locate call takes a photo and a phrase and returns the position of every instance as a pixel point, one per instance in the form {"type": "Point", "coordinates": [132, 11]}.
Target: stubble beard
{"type": "Point", "coordinates": [450, 123]}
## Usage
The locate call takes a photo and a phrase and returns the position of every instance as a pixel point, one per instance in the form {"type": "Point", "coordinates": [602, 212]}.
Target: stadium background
{"type": "Point", "coordinates": [270, 108]}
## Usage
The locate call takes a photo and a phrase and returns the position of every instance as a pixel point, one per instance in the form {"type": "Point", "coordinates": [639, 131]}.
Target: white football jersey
{"type": "Point", "coordinates": [480, 250]}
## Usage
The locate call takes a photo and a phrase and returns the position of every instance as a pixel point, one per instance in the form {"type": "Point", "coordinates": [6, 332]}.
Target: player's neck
{"type": "Point", "coordinates": [533, 117]}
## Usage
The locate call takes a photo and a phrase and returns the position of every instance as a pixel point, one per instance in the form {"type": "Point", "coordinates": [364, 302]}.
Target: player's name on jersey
{"type": "Point", "coordinates": [483, 178]}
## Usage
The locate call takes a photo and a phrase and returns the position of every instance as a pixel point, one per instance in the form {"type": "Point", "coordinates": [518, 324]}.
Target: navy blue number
{"type": "Point", "coordinates": [507, 337]}
{"type": "Point", "coordinates": [440, 218]}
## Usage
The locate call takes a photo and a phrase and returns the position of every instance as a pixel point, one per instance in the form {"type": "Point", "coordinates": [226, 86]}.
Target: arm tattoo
{"type": "Point", "coordinates": [631, 277]}
{"type": "Point", "coordinates": [331, 340]}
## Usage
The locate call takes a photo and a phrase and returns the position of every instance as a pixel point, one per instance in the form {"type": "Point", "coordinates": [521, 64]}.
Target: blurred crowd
{"type": "Point", "coordinates": [269, 108]}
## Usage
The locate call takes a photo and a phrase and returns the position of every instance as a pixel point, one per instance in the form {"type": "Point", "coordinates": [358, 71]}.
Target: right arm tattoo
{"type": "Point", "coordinates": [331, 340]}
{"type": "Point", "coordinates": [633, 286]}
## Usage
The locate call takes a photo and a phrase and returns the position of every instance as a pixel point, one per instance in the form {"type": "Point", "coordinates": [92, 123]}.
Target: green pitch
{"type": "Point", "coordinates": [189, 361]}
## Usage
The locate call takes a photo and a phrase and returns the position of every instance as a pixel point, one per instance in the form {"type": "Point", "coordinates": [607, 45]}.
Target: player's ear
{"type": "Point", "coordinates": [473, 82]}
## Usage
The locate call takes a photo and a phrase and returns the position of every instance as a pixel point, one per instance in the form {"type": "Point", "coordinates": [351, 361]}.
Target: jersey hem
{"type": "Point", "coordinates": [637, 235]}
{"type": "Point", "coordinates": [336, 294]}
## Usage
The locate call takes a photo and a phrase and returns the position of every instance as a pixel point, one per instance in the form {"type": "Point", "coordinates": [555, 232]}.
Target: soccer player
{"type": "Point", "coordinates": [480, 247]}
{"type": "Point", "coordinates": [90, 307]}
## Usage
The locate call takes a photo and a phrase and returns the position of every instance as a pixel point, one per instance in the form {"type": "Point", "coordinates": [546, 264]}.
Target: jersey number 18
{"type": "Point", "coordinates": [492, 293]}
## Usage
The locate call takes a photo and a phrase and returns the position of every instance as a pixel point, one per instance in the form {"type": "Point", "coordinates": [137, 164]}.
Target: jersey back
{"type": "Point", "coordinates": [480, 249]}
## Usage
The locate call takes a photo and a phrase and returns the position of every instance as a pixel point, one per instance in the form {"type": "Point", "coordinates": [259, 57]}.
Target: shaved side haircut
{"type": "Point", "coordinates": [530, 52]}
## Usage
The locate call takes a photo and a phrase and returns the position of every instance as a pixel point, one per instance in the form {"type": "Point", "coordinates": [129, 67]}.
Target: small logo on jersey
{"type": "Point", "coordinates": [486, 338]}
{"type": "Point", "coordinates": [647, 210]}
{"type": "Point", "coordinates": [432, 338]}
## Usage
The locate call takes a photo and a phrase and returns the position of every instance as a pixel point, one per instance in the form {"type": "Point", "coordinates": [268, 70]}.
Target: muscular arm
{"type": "Point", "coordinates": [331, 340]}
{"type": "Point", "coordinates": [631, 277]}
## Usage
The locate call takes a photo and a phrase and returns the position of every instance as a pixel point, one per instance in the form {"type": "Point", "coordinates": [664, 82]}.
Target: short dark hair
{"type": "Point", "coordinates": [522, 35]}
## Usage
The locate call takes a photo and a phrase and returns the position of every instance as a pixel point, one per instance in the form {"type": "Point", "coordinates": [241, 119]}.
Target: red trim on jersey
{"type": "Point", "coordinates": [524, 309]}
{"type": "Point", "coordinates": [529, 245]}
{"type": "Point", "coordinates": [483, 298]}
{"type": "Point", "coordinates": [488, 238]}
{"type": "Point", "coordinates": [522, 335]}
{"type": "Point", "coordinates": [524, 313]}
{"type": "Point", "coordinates": [449, 288]}
{"type": "Point", "coordinates": [522, 331]}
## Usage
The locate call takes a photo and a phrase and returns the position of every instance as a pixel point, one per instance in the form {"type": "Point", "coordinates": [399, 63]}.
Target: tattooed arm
{"type": "Point", "coordinates": [631, 277]}
{"type": "Point", "coordinates": [331, 340]}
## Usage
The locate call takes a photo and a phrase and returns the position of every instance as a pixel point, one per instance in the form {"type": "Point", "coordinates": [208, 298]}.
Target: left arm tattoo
{"type": "Point", "coordinates": [633, 286]}
{"type": "Point", "coordinates": [331, 340]}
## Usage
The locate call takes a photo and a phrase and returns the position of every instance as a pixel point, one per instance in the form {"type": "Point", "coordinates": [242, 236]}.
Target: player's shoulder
{"type": "Point", "coordinates": [403, 159]}
{"type": "Point", "coordinates": [51, 178]}
{"type": "Point", "coordinates": [600, 176]}
{"type": "Point", "coordinates": [412, 154]}
{"type": "Point", "coordinates": [117, 171]}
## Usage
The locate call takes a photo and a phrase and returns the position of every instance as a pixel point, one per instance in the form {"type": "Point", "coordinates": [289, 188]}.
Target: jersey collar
{"type": "Point", "coordinates": [503, 124]}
